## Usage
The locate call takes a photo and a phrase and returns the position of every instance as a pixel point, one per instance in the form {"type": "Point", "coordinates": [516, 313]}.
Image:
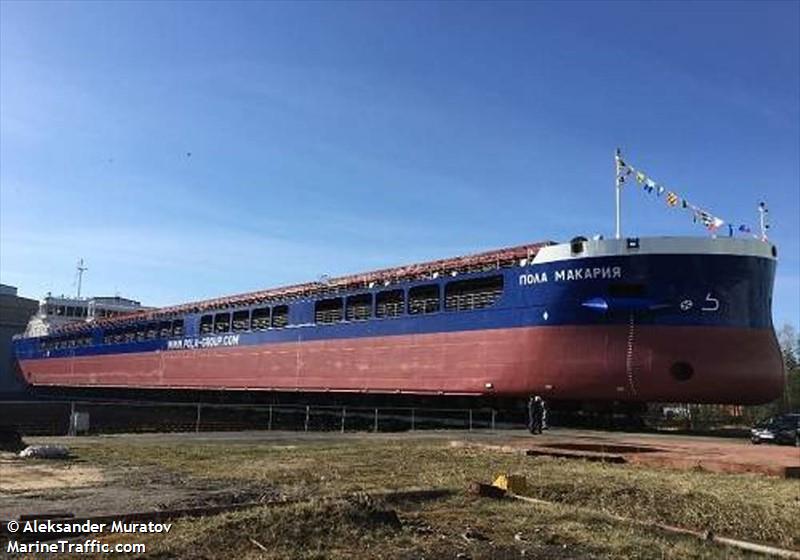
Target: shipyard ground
{"type": "Point", "coordinates": [347, 495]}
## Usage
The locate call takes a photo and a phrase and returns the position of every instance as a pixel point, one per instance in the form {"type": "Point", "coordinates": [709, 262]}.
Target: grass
{"type": "Point", "coordinates": [339, 529]}
{"type": "Point", "coordinates": [749, 507]}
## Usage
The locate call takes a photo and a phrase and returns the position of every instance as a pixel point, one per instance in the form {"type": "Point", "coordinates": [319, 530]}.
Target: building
{"type": "Point", "coordinates": [15, 312]}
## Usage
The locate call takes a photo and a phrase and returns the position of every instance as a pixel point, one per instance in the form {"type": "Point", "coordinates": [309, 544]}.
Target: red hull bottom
{"type": "Point", "coordinates": [617, 363]}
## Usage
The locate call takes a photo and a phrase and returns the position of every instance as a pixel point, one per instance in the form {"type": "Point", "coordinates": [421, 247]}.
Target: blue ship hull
{"type": "Point", "coordinates": [639, 320]}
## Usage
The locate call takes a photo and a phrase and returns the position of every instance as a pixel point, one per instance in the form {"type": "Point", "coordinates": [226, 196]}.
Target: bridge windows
{"type": "Point", "coordinates": [260, 319]}
{"type": "Point", "coordinates": [241, 320]}
{"type": "Point", "coordinates": [476, 293]}
{"type": "Point", "coordinates": [389, 303]}
{"type": "Point", "coordinates": [72, 311]}
{"type": "Point", "coordinates": [423, 299]}
{"type": "Point", "coordinates": [328, 311]}
{"type": "Point", "coordinates": [222, 322]}
{"type": "Point", "coordinates": [358, 308]}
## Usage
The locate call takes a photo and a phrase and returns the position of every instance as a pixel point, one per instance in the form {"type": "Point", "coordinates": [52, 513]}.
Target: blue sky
{"type": "Point", "coordinates": [329, 138]}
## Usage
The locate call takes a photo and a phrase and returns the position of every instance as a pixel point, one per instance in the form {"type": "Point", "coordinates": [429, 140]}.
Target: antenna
{"type": "Point", "coordinates": [619, 179]}
{"type": "Point", "coordinates": [762, 219]}
{"type": "Point", "coordinates": [81, 270]}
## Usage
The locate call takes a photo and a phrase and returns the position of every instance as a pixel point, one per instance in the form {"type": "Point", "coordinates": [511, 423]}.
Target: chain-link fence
{"type": "Point", "coordinates": [103, 417]}
{"type": "Point", "coordinates": [95, 417]}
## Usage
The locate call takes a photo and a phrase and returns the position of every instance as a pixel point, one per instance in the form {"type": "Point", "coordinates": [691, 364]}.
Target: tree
{"type": "Point", "coordinates": [790, 349]}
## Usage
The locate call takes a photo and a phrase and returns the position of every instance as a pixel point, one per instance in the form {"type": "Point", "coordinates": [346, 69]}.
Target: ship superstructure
{"type": "Point", "coordinates": [56, 312]}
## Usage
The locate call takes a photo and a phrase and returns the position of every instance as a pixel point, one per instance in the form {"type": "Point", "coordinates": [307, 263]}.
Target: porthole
{"type": "Point", "coordinates": [682, 371]}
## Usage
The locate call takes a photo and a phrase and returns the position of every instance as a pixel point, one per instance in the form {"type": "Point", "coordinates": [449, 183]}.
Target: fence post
{"type": "Point", "coordinates": [308, 412]}
{"type": "Point", "coordinates": [344, 414]}
{"type": "Point", "coordinates": [269, 423]}
{"type": "Point", "coordinates": [413, 427]}
{"type": "Point", "coordinates": [376, 421]}
{"type": "Point", "coordinates": [470, 419]}
{"type": "Point", "coordinates": [494, 413]}
{"type": "Point", "coordinates": [197, 418]}
{"type": "Point", "coordinates": [71, 426]}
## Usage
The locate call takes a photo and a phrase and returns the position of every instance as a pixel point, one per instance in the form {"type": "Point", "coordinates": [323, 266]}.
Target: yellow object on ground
{"type": "Point", "coordinates": [514, 483]}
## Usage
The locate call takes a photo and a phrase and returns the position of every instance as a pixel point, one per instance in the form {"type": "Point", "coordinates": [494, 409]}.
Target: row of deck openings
{"type": "Point", "coordinates": [130, 333]}
{"type": "Point", "coordinates": [459, 295]}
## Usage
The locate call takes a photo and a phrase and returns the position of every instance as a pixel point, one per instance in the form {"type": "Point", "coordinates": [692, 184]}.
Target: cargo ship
{"type": "Point", "coordinates": [629, 320]}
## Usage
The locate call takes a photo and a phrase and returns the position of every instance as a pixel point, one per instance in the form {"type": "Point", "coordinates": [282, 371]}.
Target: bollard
{"type": "Point", "coordinates": [376, 421]}
{"type": "Point", "coordinates": [344, 414]}
{"type": "Point", "coordinates": [494, 413]}
{"type": "Point", "coordinates": [308, 412]}
{"type": "Point", "coordinates": [470, 419]}
{"type": "Point", "coordinates": [269, 422]}
{"type": "Point", "coordinates": [412, 420]}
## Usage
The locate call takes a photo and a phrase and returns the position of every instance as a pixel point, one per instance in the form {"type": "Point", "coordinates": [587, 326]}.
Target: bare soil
{"type": "Point", "coordinates": [26, 475]}
{"type": "Point", "coordinates": [336, 482]}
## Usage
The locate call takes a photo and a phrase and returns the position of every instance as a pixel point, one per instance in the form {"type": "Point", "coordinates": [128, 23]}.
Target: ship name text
{"type": "Point", "coordinates": [569, 274]}
{"type": "Point", "coordinates": [203, 342]}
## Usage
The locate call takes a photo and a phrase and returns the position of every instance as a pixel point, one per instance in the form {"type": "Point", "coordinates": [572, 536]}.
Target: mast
{"type": "Point", "coordinates": [762, 219]}
{"type": "Point", "coordinates": [81, 270]}
{"type": "Point", "coordinates": [618, 191]}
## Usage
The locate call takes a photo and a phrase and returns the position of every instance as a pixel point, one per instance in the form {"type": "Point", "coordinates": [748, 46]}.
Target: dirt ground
{"type": "Point", "coordinates": [329, 488]}
{"type": "Point", "coordinates": [721, 455]}
{"type": "Point", "coordinates": [81, 490]}
{"type": "Point", "coordinates": [17, 476]}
